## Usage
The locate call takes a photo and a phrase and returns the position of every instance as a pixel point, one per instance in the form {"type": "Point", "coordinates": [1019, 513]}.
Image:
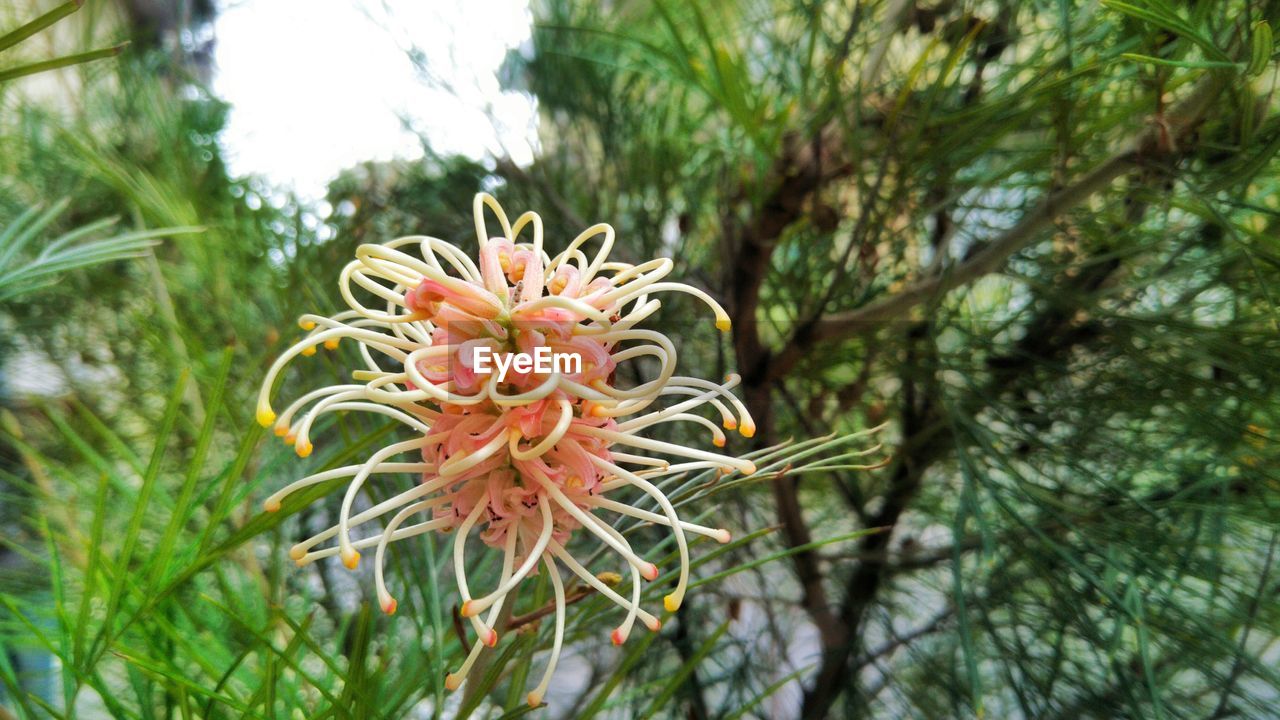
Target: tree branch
{"type": "Point", "coordinates": [1154, 141]}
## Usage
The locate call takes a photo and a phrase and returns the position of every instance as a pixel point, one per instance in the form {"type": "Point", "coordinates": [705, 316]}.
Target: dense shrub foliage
{"type": "Point", "coordinates": [1037, 239]}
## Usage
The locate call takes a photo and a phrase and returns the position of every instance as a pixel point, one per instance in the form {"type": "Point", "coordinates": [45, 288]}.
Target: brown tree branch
{"type": "Point", "coordinates": [1155, 141]}
{"type": "Point", "coordinates": [924, 440]}
{"type": "Point", "coordinates": [574, 596]}
{"type": "Point", "coordinates": [805, 167]}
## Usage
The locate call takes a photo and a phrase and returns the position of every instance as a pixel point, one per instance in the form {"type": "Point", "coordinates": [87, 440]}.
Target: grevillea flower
{"type": "Point", "coordinates": [523, 459]}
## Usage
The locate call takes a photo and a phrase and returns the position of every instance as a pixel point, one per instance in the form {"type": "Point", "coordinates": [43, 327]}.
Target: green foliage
{"type": "Point", "coordinates": [12, 37]}
{"type": "Point", "coordinates": [387, 200]}
{"type": "Point", "coordinates": [20, 275]}
{"type": "Point", "coordinates": [1083, 496]}
{"type": "Point", "coordinates": [162, 589]}
{"type": "Point", "coordinates": [1037, 239]}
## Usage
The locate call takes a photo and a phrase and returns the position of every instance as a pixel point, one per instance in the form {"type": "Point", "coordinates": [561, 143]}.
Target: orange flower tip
{"type": "Point", "coordinates": [466, 609]}
{"type": "Point", "coordinates": [598, 411]}
{"type": "Point", "coordinates": [307, 324]}
{"type": "Point", "coordinates": [331, 344]}
{"type": "Point", "coordinates": [534, 699]}
{"type": "Point", "coordinates": [389, 607]}
{"type": "Point", "coordinates": [649, 571]}
{"type": "Point", "coordinates": [351, 559]}
{"type": "Point", "coordinates": [617, 637]}
{"type": "Point", "coordinates": [303, 449]}
{"type": "Point", "coordinates": [452, 682]}
{"type": "Point", "coordinates": [747, 430]}
{"type": "Point", "coordinates": [723, 536]}
{"type": "Point", "coordinates": [271, 505]}
{"type": "Point", "coordinates": [750, 469]}
{"type": "Point", "coordinates": [723, 324]}
{"type": "Point", "coordinates": [309, 350]}
{"type": "Point", "coordinates": [671, 603]}
{"type": "Point", "coordinates": [290, 439]}
{"type": "Point", "coordinates": [266, 416]}
{"type": "Point", "coordinates": [718, 441]}
{"type": "Point", "coordinates": [730, 424]}
{"type": "Point", "coordinates": [297, 552]}
{"type": "Point", "coordinates": [492, 640]}
{"type": "Point", "coordinates": [732, 377]}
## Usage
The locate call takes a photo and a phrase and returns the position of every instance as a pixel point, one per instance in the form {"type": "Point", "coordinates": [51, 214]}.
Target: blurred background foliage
{"type": "Point", "coordinates": [1038, 238]}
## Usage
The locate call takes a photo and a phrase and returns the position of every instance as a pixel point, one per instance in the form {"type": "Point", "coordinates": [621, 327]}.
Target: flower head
{"type": "Point", "coordinates": [522, 457]}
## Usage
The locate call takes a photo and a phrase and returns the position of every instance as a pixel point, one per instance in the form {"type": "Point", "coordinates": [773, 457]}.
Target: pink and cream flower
{"type": "Point", "coordinates": [522, 459]}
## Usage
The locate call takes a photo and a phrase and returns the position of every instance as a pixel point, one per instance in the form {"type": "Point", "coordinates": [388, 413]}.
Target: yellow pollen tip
{"type": "Point", "coordinates": [723, 324]}
{"type": "Point", "coordinates": [750, 469]}
{"type": "Point", "coordinates": [465, 611]}
{"type": "Point", "coordinates": [266, 416]}
{"type": "Point", "coordinates": [452, 682]}
{"type": "Point", "coordinates": [303, 450]}
{"type": "Point", "coordinates": [718, 441]}
{"type": "Point", "coordinates": [297, 552]}
{"type": "Point", "coordinates": [534, 699]}
{"type": "Point", "coordinates": [309, 350]}
{"type": "Point", "coordinates": [671, 603]}
{"type": "Point", "coordinates": [730, 424]}
{"type": "Point", "coordinates": [271, 505]}
{"type": "Point", "coordinates": [598, 411]}
{"type": "Point", "coordinates": [331, 344]}
{"type": "Point", "coordinates": [351, 559]}
{"type": "Point", "coordinates": [747, 430]}
{"type": "Point", "coordinates": [389, 607]}
{"type": "Point", "coordinates": [612, 579]}
{"type": "Point", "coordinates": [290, 438]}
{"type": "Point", "coordinates": [307, 324]}
{"type": "Point", "coordinates": [281, 430]}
